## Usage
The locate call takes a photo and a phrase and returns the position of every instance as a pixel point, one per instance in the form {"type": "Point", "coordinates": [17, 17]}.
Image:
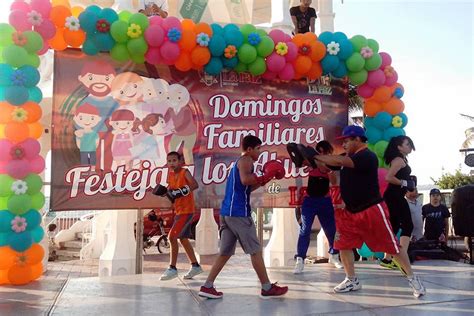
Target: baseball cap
{"type": "Point", "coordinates": [435, 191]}
{"type": "Point", "coordinates": [353, 131]}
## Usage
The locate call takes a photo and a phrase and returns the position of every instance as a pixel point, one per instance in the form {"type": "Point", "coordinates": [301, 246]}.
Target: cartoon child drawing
{"type": "Point", "coordinates": [123, 124]}
{"type": "Point", "coordinates": [87, 139]}
{"type": "Point", "coordinates": [127, 89]}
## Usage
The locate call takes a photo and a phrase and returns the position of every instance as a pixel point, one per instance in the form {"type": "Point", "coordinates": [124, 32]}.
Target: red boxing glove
{"type": "Point", "coordinates": [273, 169]}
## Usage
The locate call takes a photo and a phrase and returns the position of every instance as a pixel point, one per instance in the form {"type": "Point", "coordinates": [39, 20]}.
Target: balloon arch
{"type": "Point", "coordinates": [40, 25]}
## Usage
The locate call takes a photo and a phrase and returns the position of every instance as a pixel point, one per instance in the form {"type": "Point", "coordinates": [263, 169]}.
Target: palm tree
{"type": "Point", "coordinates": [469, 141]}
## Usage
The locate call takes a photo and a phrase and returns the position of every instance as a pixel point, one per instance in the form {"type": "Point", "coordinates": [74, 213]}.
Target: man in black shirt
{"type": "Point", "coordinates": [365, 216]}
{"type": "Point", "coordinates": [436, 217]}
{"type": "Point", "coordinates": [303, 17]}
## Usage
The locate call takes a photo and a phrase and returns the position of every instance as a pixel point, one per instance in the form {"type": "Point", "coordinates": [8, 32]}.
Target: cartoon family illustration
{"type": "Point", "coordinates": [127, 119]}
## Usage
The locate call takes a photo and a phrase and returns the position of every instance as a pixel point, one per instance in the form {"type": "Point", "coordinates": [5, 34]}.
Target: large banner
{"type": "Point", "coordinates": [113, 125]}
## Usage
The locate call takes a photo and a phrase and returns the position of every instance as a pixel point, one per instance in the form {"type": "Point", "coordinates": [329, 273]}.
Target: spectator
{"type": "Point", "coordinates": [416, 217]}
{"type": "Point", "coordinates": [153, 7]}
{"type": "Point", "coordinates": [436, 217]}
{"type": "Point", "coordinates": [303, 17]}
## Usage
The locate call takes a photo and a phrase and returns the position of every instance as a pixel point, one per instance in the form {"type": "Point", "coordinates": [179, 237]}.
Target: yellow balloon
{"type": "Point", "coordinates": [2, 131]}
{"type": "Point", "coordinates": [76, 10]}
{"type": "Point", "coordinates": [35, 130]}
{"type": "Point", "coordinates": [61, 2]}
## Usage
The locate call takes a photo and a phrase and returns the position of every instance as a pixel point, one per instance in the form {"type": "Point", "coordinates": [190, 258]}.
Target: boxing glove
{"type": "Point", "coordinates": [172, 194]}
{"type": "Point", "coordinates": [274, 169]}
{"type": "Point", "coordinates": [308, 154]}
{"type": "Point", "coordinates": [408, 184]}
{"type": "Point", "coordinates": [295, 155]}
{"type": "Point", "coordinates": [161, 190]}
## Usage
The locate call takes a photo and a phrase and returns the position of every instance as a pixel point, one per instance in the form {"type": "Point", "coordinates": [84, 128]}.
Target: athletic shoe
{"type": "Point", "coordinates": [274, 291]}
{"type": "Point", "coordinates": [399, 267]}
{"type": "Point", "coordinates": [169, 274]}
{"type": "Point", "coordinates": [388, 264]}
{"type": "Point", "coordinates": [193, 272]}
{"type": "Point", "coordinates": [347, 285]}
{"type": "Point", "coordinates": [418, 287]}
{"type": "Point", "coordinates": [334, 259]}
{"type": "Point", "coordinates": [299, 266]}
{"type": "Point", "coordinates": [210, 292]}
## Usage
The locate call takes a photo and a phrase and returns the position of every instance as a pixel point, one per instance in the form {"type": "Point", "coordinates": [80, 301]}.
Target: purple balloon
{"type": "Point", "coordinates": [170, 51]}
{"type": "Point", "coordinates": [365, 91]}
{"type": "Point", "coordinates": [277, 36]}
{"type": "Point", "coordinates": [292, 52]}
{"type": "Point", "coordinates": [376, 78]}
{"type": "Point", "coordinates": [287, 73]}
{"type": "Point", "coordinates": [275, 62]}
{"type": "Point", "coordinates": [386, 60]}
{"type": "Point", "coordinates": [19, 20]}
{"type": "Point", "coordinates": [154, 35]}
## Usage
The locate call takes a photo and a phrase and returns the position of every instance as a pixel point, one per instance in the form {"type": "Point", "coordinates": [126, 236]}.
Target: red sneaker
{"type": "Point", "coordinates": [274, 291]}
{"type": "Point", "coordinates": [210, 292]}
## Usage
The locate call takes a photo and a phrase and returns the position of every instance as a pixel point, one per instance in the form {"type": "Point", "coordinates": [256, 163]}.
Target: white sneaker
{"type": "Point", "coordinates": [169, 274]}
{"type": "Point", "coordinates": [347, 285]}
{"type": "Point", "coordinates": [299, 266]}
{"type": "Point", "coordinates": [417, 286]}
{"type": "Point", "coordinates": [193, 272]}
{"type": "Point", "coordinates": [334, 259]}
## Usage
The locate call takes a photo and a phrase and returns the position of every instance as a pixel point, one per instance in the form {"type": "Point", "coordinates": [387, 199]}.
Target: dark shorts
{"type": "Point", "coordinates": [182, 226]}
{"type": "Point", "coordinates": [240, 229]}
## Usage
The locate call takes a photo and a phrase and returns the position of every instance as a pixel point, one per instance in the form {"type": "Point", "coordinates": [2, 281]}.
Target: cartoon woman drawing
{"type": "Point", "coordinates": [123, 124]}
{"type": "Point", "coordinates": [127, 89]}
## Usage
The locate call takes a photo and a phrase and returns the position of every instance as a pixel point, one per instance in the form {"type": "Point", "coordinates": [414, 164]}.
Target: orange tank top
{"type": "Point", "coordinates": [185, 204]}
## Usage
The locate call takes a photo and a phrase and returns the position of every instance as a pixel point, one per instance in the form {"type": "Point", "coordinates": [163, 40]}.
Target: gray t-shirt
{"type": "Point", "coordinates": [417, 218]}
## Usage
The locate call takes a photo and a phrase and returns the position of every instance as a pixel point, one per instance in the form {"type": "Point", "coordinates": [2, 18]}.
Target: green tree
{"type": "Point", "coordinates": [453, 181]}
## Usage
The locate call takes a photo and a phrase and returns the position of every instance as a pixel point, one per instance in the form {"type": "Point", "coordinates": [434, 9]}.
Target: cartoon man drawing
{"type": "Point", "coordinates": [87, 139]}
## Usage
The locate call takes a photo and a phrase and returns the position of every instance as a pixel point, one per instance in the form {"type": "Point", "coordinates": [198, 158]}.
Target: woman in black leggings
{"type": "Point", "coordinates": [399, 181]}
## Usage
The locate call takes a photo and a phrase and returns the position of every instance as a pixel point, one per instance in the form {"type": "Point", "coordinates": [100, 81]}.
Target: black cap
{"type": "Point", "coordinates": [435, 191]}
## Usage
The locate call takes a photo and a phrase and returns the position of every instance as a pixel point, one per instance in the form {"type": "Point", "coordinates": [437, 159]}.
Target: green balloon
{"type": "Point", "coordinates": [33, 60]}
{"type": "Point", "coordinates": [125, 15]}
{"type": "Point", "coordinates": [380, 147]}
{"type": "Point", "coordinates": [258, 67]}
{"type": "Point", "coordinates": [371, 147]}
{"type": "Point", "coordinates": [15, 56]}
{"type": "Point", "coordinates": [373, 44]}
{"type": "Point", "coordinates": [246, 29]}
{"type": "Point", "coordinates": [358, 42]}
{"type": "Point", "coordinates": [5, 185]}
{"type": "Point", "coordinates": [265, 47]}
{"type": "Point", "coordinates": [34, 183]}
{"type": "Point", "coordinates": [137, 46]}
{"type": "Point", "coordinates": [262, 32]}
{"type": "Point", "coordinates": [6, 31]}
{"type": "Point", "coordinates": [37, 201]}
{"type": "Point", "coordinates": [138, 59]}
{"type": "Point", "coordinates": [247, 53]}
{"type": "Point", "coordinates": [19, 204]}
{"type": "Point", "coordinates": [241, 67]}
{"type": "Point", "coordinates": [139, 19]}
{"type": "Point", "coordinates": [118, 30]}
{"type": "Point", "coordinates": [3, 203]}
{"type": "Point", "coordinates": [355, 63]}
{"type": "Point", "coordinates": [373, 62]}
{"type": "Point", "coordinates": [358, 78]}
{"type": "Point", "coordinates": [120, 52]}
{"type": "Point", "coordinates": [34, 41]}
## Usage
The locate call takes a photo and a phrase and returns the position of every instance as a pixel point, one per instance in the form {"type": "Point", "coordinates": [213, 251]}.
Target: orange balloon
{"type": "Point", "coordinates": [298, 76]}
{"type": "Point", "coordinates": [318, 51]}
{"type": "Point", "coordinates": [382, 94]}
{"type": "Point", "coordinates": [394, 106]}
{"type": "Point", "coordinates": [58, 15]}
{"type": "Point", "coordinates": [200, 56]}
{"type": "Point", "coordinates": [58, 42]}
{"type": "Point", "coordinates": [187, 25]}
{"type": "Point", "coordinates": [35, 130]}
{"type": "Point", "coordinates": [34, 254]}
{"type": "Point", "coordinates": [371, 108]}
{"type": "Point", "coordinates": [74, 38]}
{"type": "Point", "coordinates": [302, 64]}
{"type": "Point", "coordinates": [315, 72]}
{"type": "Point", "coordinates": [76, 10]}
{"type": "Point", "coordinates": [187, 41]}
{"type": "Point", "coordinates": [310, 37]}
{"type": "Point", "coordinates": [61, 2]}
{"type": "Point", "coordinates": [2, 131]}
{"type": "Point", "coordinates": [8, 256]}
{"type": "Point", "coordinates": [16, 132]}
{"type": "Point", "coordinates": [19, 275]}
{"type": "Point", "coordinates": [34, 111]}
{"type": "Point", "coordinates": [4, 277]}
{"type": "Point", "coordinates": [36, 271]}
{"type": "Point", "coordinates": [184, 62]}
{"type": "Point", "coordinates": [6, 110]}
{"type": "Point", "coordinates": [203, 28]}
{"type": "Point", "coordinates": [299, 39]}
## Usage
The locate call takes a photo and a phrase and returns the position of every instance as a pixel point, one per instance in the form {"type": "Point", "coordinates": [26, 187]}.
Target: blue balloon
{"type": "Point", "coordinates": [340, 71]}
{"type": "Point", "coordinates": [231, 27]}
{"type": "Point", "coordinates": [373, 134]}
{"type": "Point", "coordinates": [329, 63]}
{"type": "Point", "coordinates": [32, 75]}
{"type": "Point", "coordinates": [104, 42]}
{"type": "Point", "coordinates": [2, 93]}
{"type": "Point", "coordinates": [230, 63]}
{"type": "Point", "coordinates": [217, 29]}
{"type": "Point", "coordinates": [89, 48]}
{"type": "Point", "coordinates": [88, 20]}
{"type": "Point", "coordinates": [368, 121]}
{"type": "Point", "coordinates": [4, 239]}
{"type": "Point", "coordinates": [33, 219]}
{"type": "Point", "coordinates": [5, 74]}
{"type": "Point", "coordinates": [109, 14]}
{"type": "Point", "coordinates": [16, 95]}
{"type": "Point", "coordinates": [20, 241]}
{"type": "Point", "coordinates": [326, 37]}
{"type": "Point", "coordinates": [37, 234]}
{"type": "Point", "coordinates": [398, 93]}
{"type": "Point", "coordinates": [233, 37]}
{"type": "Point", "coordinates": [5, 221]}
{"type": "Point", "coordinates": [345, 49]}
{"type": "Point", "coordinates": [217, 45]}
{"type": "Point", "coordinates": [382, 120]}
{"type": "Point", "coordinates": [94, 9]}
{"type": "Point", "coordinates": [404, 119]}
{"type": "Point", "coordinates": [392, 132]}
{"type": "Point", "coordinates": [214, 66]}
{"type": "Point", "coordinates": [339, 36]}
{"type": "Point", "coordinates": [36, 94]}
{"type": "Point", "coordinates": [365, 251]}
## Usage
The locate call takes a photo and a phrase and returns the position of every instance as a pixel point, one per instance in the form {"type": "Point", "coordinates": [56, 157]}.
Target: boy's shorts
{"type": "Point", "coordinates": [182, 226]}
{"type": "Point", "coordinates": [238, 228]}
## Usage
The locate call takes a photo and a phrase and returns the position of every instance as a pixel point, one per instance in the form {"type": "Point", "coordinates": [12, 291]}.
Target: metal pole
{"type": "Point", "coordinates": [139, 243]}
{"type": "Point", "coordinates": [260, 225]}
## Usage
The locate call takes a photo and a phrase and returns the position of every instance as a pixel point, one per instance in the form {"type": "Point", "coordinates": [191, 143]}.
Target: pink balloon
{"type": "Point", "coordinates": [168, 62]}
{"type": "Point", "coordinates": [386, 60]}
{"type": "Point", "coordinates": [287, 38]}
{"type": "Point", "coordinates": [170, 51]}
{"type": "Point", "coordinates": [20, 5]}
{"type": "Point", "coordinates": [32, 148]}
{"type": "Point", "coordinates": [5, 147]}
{"type": "Point", "coordinates": [287, 73]}
{"type": "Point", "coordinates": [44, 49]}
{"type": "Point", "coordinates": [376, 78]}
{"type": "Point", "coordinates": [46, 29]}
{"type": "Point", "coordinates": [3, 167]}
{"type": "Point", "coordinates": [18, 168]}
{"type": "Point", "coordinates": [269, 75]}
{"type": "Point", "coordinates": [153, 55]}
{"type": "Point", "coordinates": [383, 184]}
{"type": "Point", "coordinates": [154, 35]}
{"type": "Point", "coordinates": [42, 6]}
{"type": "Point", "coordinates": [275, 62]}
{"type": "Point", "coordinates": [277, 36]}
{"type": "Point", "coordinates": [392, 79]}
{"type": "Point", "coordinates": [292, 52]}
{"type": "Point", "coordinates": [365, 91]}
{"type": "Point", "coordinates": [170, 22]}
{"type": "Point", "coordinates": [156, 20]}
{"type": "Point", "coordinates": [19, 20]}
{"type": "Point", "coordinates": [37, 165]}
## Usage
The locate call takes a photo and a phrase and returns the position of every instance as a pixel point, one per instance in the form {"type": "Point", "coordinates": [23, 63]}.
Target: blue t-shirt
{"type": "Point", "coordinates": [237, 196]}
{"type": "Point", "coordinates": [88, 141]}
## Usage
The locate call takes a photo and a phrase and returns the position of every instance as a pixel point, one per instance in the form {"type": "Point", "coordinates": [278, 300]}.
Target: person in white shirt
{"type": "Point", "coordinates": [416, 216]}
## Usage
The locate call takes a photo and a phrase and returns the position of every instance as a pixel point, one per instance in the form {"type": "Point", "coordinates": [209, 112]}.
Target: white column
{"type": "Point", "coordinates": [119, 256]}
{"type": "Point", "coordinates": [326, 15]}
{"type": "Point", "coordinates": [207, 233]}
{"type": "Point", "coordinates": [281, 248]}
{"type": "Point", "coordinates": [322, 245]}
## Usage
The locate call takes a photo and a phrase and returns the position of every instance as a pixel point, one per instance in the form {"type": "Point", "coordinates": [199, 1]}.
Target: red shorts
{"type": "Point", "coordinates": [181, 226]}
{"type": "Point", "coordinates": [371, 226]}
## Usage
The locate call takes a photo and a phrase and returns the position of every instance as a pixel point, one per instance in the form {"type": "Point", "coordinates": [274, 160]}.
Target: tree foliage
{"type": "Point", "coordinates": [453, 181]}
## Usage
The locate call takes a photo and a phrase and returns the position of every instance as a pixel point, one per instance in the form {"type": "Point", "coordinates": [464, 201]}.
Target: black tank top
{"type": "Point", "coordinates": [402, 174]}
{"type": "Point", "coordinates": [318, 184]}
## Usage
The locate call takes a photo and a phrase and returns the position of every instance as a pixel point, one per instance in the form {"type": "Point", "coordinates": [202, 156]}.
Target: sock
{"type": "Point", "coordinates": [173, 267]}
{"type": "Point", "coordinates": [352, 279]}
{"type": "Point", "coordinates": [195, 265]}
{"type": "Point", "coordinates": [208, 284]}
{"type": "Point", "coordinates": [266, 286]}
